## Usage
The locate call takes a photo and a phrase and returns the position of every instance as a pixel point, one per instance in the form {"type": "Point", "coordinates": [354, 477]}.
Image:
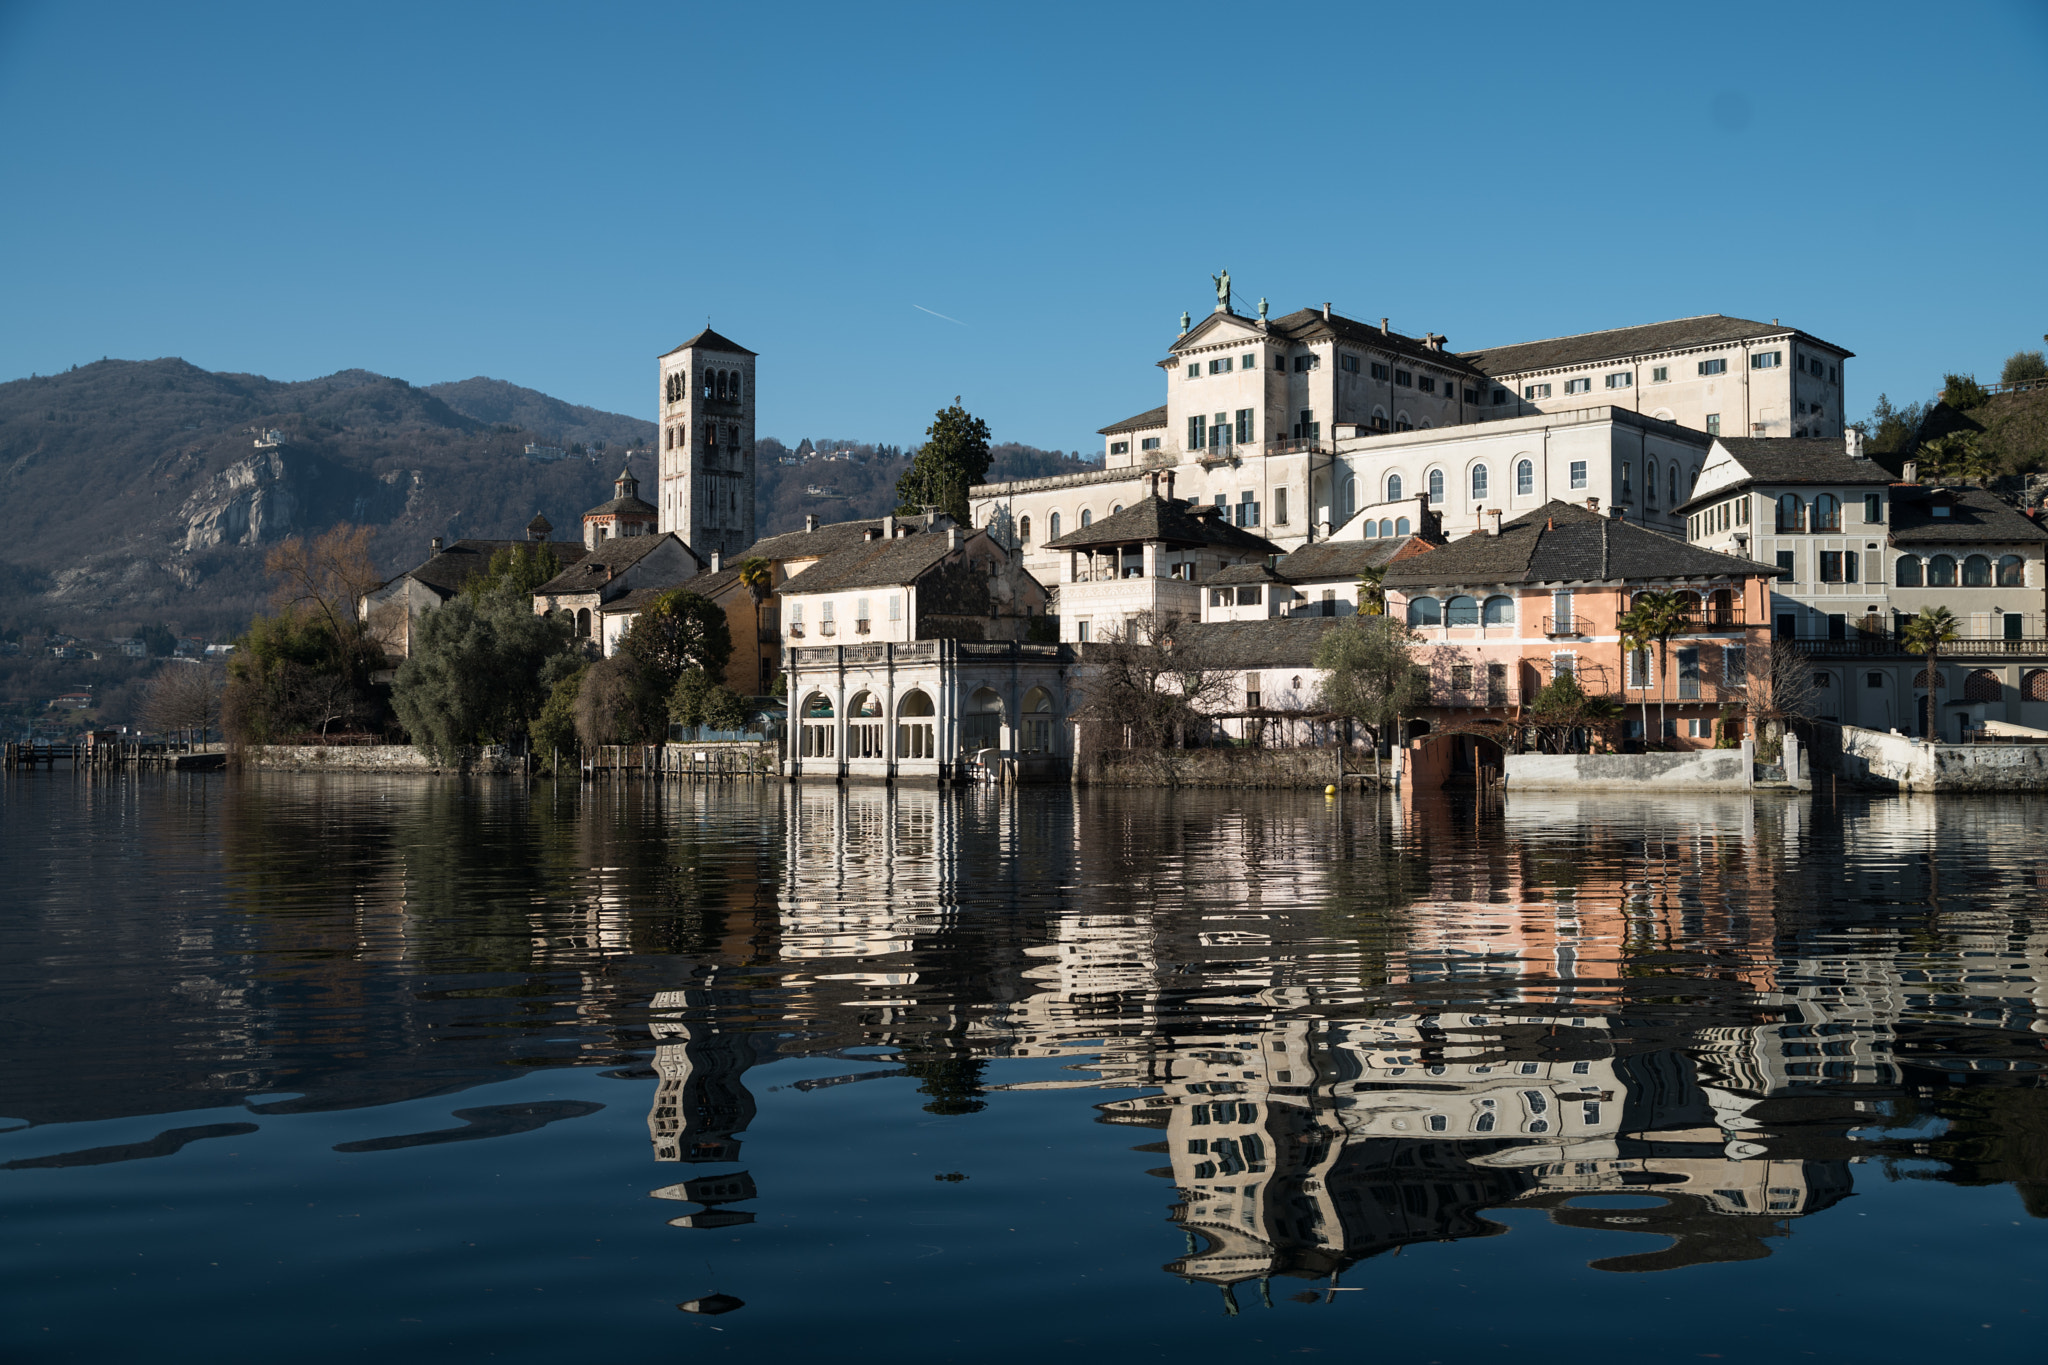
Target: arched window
{"type": "Point", "coordinates": [1525, 478]}
{"type": "Point", "coordinates": [1350, 495]}
{"type": "Point", "coordinates": [1941, 572]}
{"type": "Point", "coordinates": [1500, 611]}
{"type": "Point", "coordinates": [2012, 571]}
{"type": "Point", "coordinates": [818, 737]}
{"type": "Point", "coordinates": [1673, 486]}
{"type": "Point", "coordinates": [737, 377]}
{"type": "Point", "coordinates": [1977, 572]}
{"type": "Point", "coordinates": [1393, 488]}
{"type": "Point", "coordinates": [583, 623]}
{"type": "Point", "coordinates": [1035, 735]}
{"type": "Point", "coordinates": [1116, 509]}
{"type": "Point", "coordinates": [1478, 481]}
{"type": "Point", "coordinates": [1908, 575]}
{"type": "Point", "coordinates": [1827, 513]}
{"type": "Point", "coordinates": [1649, 485]}
{"type": "Point", "coordinates": [710, 383]}
{"type": "Point", "coordinates": [1983, 685]}
{"type": "Point", "coordinates": [864, 727]}
{"type": "Point", "coordinates": [2034, 685]}
{"type": "Point", "coordinates": [1386, 527]}
{"type": "Point", "coordinates": [1789, 509]}
{"type": "Point", "coordinates": [1692, 480]}
{"type": "Point", "coordinates": [1371, 529]}
{"type": "Point", "coordinates": [1436, 487]}
{"type": "Point", "coordinates": [1087, 517]}
{"type": "Point", "coordinates": [1920, 680]}
{"type": "Point", "coordinates": [1461, 611]}
{"type": "Point", "coordinates": [1401, 526]}
{"type": "Point", "coordinates": [1053, 526]}
{"type": "Point", "coordinates": [1024, 530]}
{"type": "Point", "coordinates": [1424, 611]}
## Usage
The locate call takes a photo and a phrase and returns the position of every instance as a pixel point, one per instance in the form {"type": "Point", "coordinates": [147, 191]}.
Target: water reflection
{"type": "Point", "coordinates": [1331, 1030]}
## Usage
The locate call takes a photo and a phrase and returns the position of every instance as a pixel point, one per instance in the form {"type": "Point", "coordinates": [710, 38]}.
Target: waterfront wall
{"type": "Point", "coordinates": [1715, 770]}
{"type": "Point", "coordinates": [371, 758]}
{"type": "Point", "coordinates": [1883, 761]}
{"type": "Point", "coordinates": [1313, 768]}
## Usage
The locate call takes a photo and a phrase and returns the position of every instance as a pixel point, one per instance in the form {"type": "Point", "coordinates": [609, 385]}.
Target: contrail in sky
{"type": "Point", "coordinates": [922, 309]}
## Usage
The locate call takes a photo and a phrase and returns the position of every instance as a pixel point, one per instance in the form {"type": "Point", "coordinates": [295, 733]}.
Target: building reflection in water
{"type": "Point", "coordinates": [1347, 1031]}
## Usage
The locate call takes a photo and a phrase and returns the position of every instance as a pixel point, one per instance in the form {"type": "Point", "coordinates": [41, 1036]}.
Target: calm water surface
{"type": "Point", "coordinates": [357, 1067]}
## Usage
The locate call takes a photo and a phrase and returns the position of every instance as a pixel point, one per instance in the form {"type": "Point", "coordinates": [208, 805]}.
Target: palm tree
{"type": "Point", "coordinates": [757, 576]}
{"type": "Point", "coordinates": [1655, 616]}
{"type": "Point", "coordinates": [1372, 597]}
{"type": "Point", "coordinates": [1960, 455]}
{"type": "Point", "coordinates": [1926, 634]}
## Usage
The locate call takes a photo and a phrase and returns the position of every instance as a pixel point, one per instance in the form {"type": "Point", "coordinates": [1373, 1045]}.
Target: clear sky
{"type": "Point", "coordinates": [895, 204]}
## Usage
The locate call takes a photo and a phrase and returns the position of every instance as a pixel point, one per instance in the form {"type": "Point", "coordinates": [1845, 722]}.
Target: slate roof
{"type": "Point", "coordinates": [827, 539]}
{"type": "Point", "coordinates": [1619, 343]}
{"type": "Point", "coordinates": [1244, 573]}
{"type": "Point", "coordinates": [597, 567]}
{"type": "Point", "coordinates": [1144, 421]}
{"type": "Point", "coordinates": [1792, 459]}
{"type": "Point", "coordinates": [447, 571]}
{"type": "Point", "coordinates": [1319, 562]}
{"type": "Point", "coordinates": [629, 505]}
{"type": "Point", "coordinates": [1276, 642]}
{"type": "Point", "coordinates": [873, 564]}
{"type": "Point", "coordinates": [704, 585]}
{"type": "Point", "coordinates": [1562, 542]}
{"type": "Point", "coordinates": [708, 340]}
{"type": "Point", "coordinates": [1977, 516]}
{"type": "Point", "coordinates": [1164, 519]}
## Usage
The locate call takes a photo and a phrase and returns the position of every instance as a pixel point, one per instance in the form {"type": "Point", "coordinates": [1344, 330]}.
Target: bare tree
{"type": "Point", "coordinates": [184, 697]}
{"type": "Point", "coordinates": [1148, 691]}
{"type": "Point", "coordinates": [1780, 687]}
{"type": "Point", "coordinates": [325, 577]}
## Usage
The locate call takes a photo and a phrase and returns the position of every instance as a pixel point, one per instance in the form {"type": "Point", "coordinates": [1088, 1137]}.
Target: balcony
{"type": "Point", "coordinates": [1713, 616]}
{"type": "Point", "coordinates": [1555, 626]}
{"type": "Point", "coordinates": [860, 627]}
{"type": "Point", "coordinates": [1874, 646]}
{"type": "Point", "coordinates": [1300, 445]}
{"type": "Point", "coordinates": [827, 628]}
{"type": "Point", "coordinates": [796, 630]}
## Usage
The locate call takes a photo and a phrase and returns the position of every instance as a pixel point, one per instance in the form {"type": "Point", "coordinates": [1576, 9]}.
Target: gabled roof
{"type": "Point", "coordinates": [708, 340]}
{"type": "Point", "coordinates": [1620, 343]}
{"type": "Point", "coordinates": [1275, 642]}
{"type": "Point", "coordinates": [1322, 562]}
{"type": "Point", "coordinates": [1168, 520]}
{"type": "Point", "coordinates": [1791, 459]}
{"type": "Point", "coordinates": [1254, 572]}
{"type": "Point", "coordinates": [1307, 325]}
{"type": "Point", "coordinates": [1562, 542]}
{"type": "Point", "coordinates": [827, 539]}
{"type": "Point", "coordinates": [610, 559]}
{"type": "Point", "coordinates": [1144, 421]}
{"type": "Point", "coordinates": [1975, 516]}
{"type": "Point", "coordinates": [871, 564]}
{"type": "Point", "coordinates": [706, 585]}
{"type": "Point", "coordinates": [456, 564]}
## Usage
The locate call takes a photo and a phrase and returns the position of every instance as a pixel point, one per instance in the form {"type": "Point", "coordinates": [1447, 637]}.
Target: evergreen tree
{"type": "Point", "coordinates": [954, 457]}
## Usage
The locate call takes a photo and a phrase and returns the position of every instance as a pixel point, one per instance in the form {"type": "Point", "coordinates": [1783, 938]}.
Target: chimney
{"type": "Point", "coordinates": [1494, 512]}
{"type": "Point", "coordinates": [1166, 484]}
{"type": "Point", "coordinates": [810, 522]}
{"type": "Point", "coordinates": [1152, 484]}
{"type": "Point", "coordinates": [1479, 519]}
{"type": "Point", "coordinates": [717, 561]}
{"type": "Point", "coordinates": [1852, 443]}
{"type": "Point", "coordinates": [1593, 506]}
{"type": "Point", "coordinates": [439, 545]}
{"type": "Point", "coordinates": [952, 538]}
{"type": "Point", "coordinates": [1912, 475]}
{"type": "Point", "coordinates": [1383, 328]}
{"type": "Point", "coordinates": [889, 527]}
{"type": "Point", "coordinates": [870, 534]}
{"type": "Point", "coordinates": [1326, 310]}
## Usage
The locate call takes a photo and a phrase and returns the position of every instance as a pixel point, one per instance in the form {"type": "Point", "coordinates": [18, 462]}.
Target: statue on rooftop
{"type": "Point", "coordinates": [1222, 291]}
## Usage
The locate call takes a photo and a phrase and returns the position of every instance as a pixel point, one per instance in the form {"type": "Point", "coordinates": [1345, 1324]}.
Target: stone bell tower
{"type": "Point", "coordinates": [705, 488]}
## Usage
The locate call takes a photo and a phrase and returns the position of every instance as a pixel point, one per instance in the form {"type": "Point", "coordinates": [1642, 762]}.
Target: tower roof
{"type": "Point", "coordinates": [708, 340]}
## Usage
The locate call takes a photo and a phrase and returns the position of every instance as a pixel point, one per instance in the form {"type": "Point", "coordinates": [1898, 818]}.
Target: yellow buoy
{"type": "Point", "coordinates": [1329, 791]}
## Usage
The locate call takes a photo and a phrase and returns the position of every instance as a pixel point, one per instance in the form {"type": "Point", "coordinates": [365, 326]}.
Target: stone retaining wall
{"type": "Point", "coordinates": [1882, 761]}
{"type": "Point", "coordinates": [371, 758]}
{"type": "Point", "coordinates": [1723, 770]}
{"type": "Point", "coordinates": [1313, 768]}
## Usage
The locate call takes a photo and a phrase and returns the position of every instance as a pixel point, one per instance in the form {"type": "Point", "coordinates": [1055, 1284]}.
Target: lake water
{"type": "Point", "coordinates": [333, 1068]}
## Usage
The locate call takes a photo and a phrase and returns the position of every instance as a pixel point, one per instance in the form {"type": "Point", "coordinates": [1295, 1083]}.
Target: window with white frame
{"type": "Point", "coordinates": [1580, 385]}
{"type": "Point", "coordinates": [1525, 478]}
{"type": "Point", "coordinates": [1716, 366]}
{"type": "Point", "coordinates": [1621, 379]}
{"type": "Point", "coordinates": [1766, 360]}
{"type": "Point", "coordinates": [1535, 390]}
{"type": "Point", "coordinates": [1578, 473]}
{"type": "Point", "coordinates": [1478, 481]}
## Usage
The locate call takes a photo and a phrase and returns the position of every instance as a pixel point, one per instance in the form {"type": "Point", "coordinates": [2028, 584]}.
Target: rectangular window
{"type": "Point", "coordinates": [1873, 509]}
{"type": "Point", "coordinates": [1699, 728]}
{"type": "Point", "coordinates": [1621, 380]}
{"type": "Point", "coordinates": [1578, 473]}
{"type": "Point", "coordinates": [1081, 630]}
{"type": "Point", "coordinates": [1785, 563]}
{"type": "Point", "coordinates": [1734, 665]}
{"type": "Point", "coordinates": [1500, 397]}
{"type": "Point", "coordinates": [1561, 612]}
{"type": "Point", "coordinates": [1765, 360]}
{"type": "Point", "coordinates": [1404, 379]}
{"type": "Point", "coordinates": [1713, 424]}
{"type": "Point", "coordinates": [861, 610]}
{"type": "Point", "coordinates": [1219, 597]}
{"type": "Point", "coordinates": [1632, 729]}
{"type": "Point", "coordinates": [1195, 370]}
{"type": "Point", "coordinates": [1536, 391]}
{"type": "Point", "coordinates": [1245, 434]}
{"type": "Point", "coordinates": [1639, 668]}
{"type": "Point", "coordinates": [1830, 566]}
{"type": "Point", "coordinates": [1461, 677]}
{"type": "Point", "coordinates": [1219, 431]}
{"type": "Point", "coordinates": [1426, 384]}
{"type": "Point", "coordinates": [1248, 596]}
{"type": "Point", "coordinates": [1713, 367]}
{"type": "Point", "coordinates": [1688, 674]}
{"type": "Point", "coordinates": [1379, 371]}
{"type": "Point", "coordinates": [1149, 443]}
{"type": "Point", "coordinates": [1221, 366]}
{"type": "Point", "coordinates": [1119, 447]}
{"type": "Point", "coordinates": [1660, 374]}
{"type": "Point", "coordinates": [1349, 364]}
{"type": "Point", "coordinates": [1248, 362]}
{"type": "Point", "coordinates": [895, 609]}
{"type": "Point", "coordinates": [1471, 395]}
{"type": "Point", "coordinates": [1850, 567]}
{"type": "Point", "coordinates": [825, 611]}
{"type": "Point", "coordinates": [796, 614]}
{"type": "Point", "coordinates": [1582, 385]}
{"type": "Point", "coordinates": [1198, 433]}
{"type": "Point", "coordinates": [1563, 666]}
{"type": "Point", "coordinates": [1279, 507]}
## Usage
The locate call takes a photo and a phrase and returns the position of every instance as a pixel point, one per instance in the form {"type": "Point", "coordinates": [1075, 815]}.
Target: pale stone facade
{"type": "Point", "coordinates": [705, 492]}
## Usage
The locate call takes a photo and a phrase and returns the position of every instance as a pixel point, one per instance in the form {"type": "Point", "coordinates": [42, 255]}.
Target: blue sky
{"type": "Point", "coordinates": [553, 195]}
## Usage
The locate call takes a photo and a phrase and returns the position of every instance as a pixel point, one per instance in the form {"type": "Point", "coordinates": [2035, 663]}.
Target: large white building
{"type": "Point", "coordinates": [705, 489]}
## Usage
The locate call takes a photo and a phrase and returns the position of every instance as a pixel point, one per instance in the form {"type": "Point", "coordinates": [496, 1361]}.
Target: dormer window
{"type": "Point", "coordinates": [1940, 509]}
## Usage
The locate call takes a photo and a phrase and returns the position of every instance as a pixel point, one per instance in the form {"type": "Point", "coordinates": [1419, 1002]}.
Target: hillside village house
{"type": "Point", "coordinates": [623, 554]}
{"type": "Point", "coordinates": [1314, 425]}
{"type": "Point", "coordinates": [393, 608]}
{"type": "Point", "coordinates": [1502, 613]}
{"type": "Point", "coordinates": [1859, 552]}
{"type": "Point", "coordinates": [908, 651]}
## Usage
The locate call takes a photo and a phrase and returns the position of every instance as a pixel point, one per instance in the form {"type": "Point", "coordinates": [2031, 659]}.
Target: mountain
{"type": "Point", "coordinates": [133, 492]}
{"type": "Point", "coordinates": [497, 402]}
